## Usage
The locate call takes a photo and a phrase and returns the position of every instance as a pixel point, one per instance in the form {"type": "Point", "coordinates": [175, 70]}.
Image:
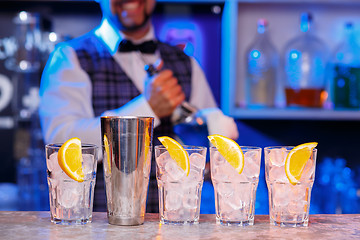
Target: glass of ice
{"type": "Point", "coordinates": [71, 202]}
{"type": "Point", "coordinates": [180, 195]}
{"type": "Point", "coordinates": [235, 193]}
{"type": "Point", "coordinates": [288, 204]}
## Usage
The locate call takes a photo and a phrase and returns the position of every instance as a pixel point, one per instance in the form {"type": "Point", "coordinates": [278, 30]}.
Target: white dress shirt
{"type": "Point", "coordinates": [66, 92]}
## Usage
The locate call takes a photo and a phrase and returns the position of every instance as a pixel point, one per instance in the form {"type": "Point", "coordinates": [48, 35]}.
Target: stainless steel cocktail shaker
{"type": "Point", "coordinates": [127, 147]}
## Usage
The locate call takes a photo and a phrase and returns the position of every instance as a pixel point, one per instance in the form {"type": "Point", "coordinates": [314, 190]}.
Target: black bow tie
{"type": "Point", "coordinates": [145, 47]}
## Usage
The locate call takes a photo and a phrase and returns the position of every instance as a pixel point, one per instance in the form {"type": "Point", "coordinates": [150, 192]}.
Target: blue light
{"type": "Point", "coordinates": [189, 49]}
{"type": "Point", "coordinates": [187, 33]}
{"type": "Point", "coordinates": [304, 26]}
{"type": "Point", "coordinates": [294, 54]}
{"type": "Point", "coordinates": [305, 21]}
{"type": "Point", "coordinates": [255, 54]}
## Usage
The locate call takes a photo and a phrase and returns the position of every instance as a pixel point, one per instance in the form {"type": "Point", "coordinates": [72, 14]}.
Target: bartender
{"type": "Point", "coordinates": [102, 74]}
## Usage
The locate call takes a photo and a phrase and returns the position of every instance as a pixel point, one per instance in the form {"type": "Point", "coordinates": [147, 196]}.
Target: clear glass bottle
{"type": "Point", "coordinates": [345, 66]}
{"type": "Point", "coordinates": [261, 71]}
{"type": "Point", "coordinates": [305, 59]}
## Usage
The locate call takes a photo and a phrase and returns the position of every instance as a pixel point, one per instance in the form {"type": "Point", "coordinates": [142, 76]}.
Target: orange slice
{"type": "Point", "coordinates": [296, 161]}
{"type": "Point", "coordinates": [177, 153]}
{"type": "Point", "coordinates": [230, 150]}
{"type": "Point", "coordinates": [107, 151]}
{"type": "Point", "coordinates": [147, 143]}
{"type": "Point", "coordinates": [70, 159]}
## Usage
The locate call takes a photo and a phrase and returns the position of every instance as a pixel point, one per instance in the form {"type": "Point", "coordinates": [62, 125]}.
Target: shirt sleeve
{"type": "Point", "coordinates": [201, 94]}
{"type": "Point", "coordinates": [66, 101]}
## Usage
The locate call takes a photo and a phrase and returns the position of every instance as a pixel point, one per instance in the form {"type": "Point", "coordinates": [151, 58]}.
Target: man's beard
{"type": "Point", "coordinates": [134, 28]}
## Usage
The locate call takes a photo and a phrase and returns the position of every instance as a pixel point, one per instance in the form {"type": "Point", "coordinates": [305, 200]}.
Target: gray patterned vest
{"type": "Point", "coordinates": [112, 88]}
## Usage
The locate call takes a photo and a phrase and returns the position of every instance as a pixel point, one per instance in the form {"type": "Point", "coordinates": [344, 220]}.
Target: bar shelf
{"type": "Point", "coordinates": [238, 31]}
{"type": "Point", "coordinates": [296, 114]}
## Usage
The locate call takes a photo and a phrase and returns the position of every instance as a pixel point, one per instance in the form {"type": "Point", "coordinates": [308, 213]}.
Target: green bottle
{"type": "Point", "coordinates": [346, 72]}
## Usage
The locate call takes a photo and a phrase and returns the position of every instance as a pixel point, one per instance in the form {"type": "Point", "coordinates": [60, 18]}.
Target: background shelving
{"type": "Point", "coordinates": [297, 114]}
{"type": "Point", "coordinates": [239, 28]}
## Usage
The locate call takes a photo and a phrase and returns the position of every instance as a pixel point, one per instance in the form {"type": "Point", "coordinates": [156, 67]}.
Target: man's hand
{"type": "Point", "coordinates": [163, 93]}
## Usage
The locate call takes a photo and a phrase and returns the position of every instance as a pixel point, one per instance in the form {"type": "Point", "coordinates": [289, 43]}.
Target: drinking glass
{"type": "Point", "coordinates": [180, 195]}
{"type": "Point", "coordinates": [71, 202]}
{"type": "Point", "coordinates": [235, 193]}
{"type": "Point", "coordinates": [289, 204]}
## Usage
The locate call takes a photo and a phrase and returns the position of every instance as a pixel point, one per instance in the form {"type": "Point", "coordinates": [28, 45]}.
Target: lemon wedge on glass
{"type": "Point", "coordinates": [70, 159]}
{"type": "Point", "coordinates": [230, 150]}
{"type": "Point", "coordinates": [296, 161]}
{"type": "Point", "coordinates": [177, 153]}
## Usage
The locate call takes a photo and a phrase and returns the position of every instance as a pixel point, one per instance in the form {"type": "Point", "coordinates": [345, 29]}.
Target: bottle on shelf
{"type": "Point", "coordinates": [345, 69]}
{"type": "Point", "coordinates": [304, 61]}
{"type": "Point", "coordinates": [261, 71]}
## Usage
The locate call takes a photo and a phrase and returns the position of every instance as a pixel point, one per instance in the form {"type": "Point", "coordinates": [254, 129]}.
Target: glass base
{"type": "Point", "coordinates": [249, 222]}
{"type": "Point", "coordinates": [71, 222]}
{"type": "Point", "coordinates": [304, 223]}
{"type": "Point", "coordinates": [179, 222]}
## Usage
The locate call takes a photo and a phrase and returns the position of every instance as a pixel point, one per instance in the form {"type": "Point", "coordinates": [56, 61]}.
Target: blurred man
{"type": "Point", "coordinates": [102, 74]}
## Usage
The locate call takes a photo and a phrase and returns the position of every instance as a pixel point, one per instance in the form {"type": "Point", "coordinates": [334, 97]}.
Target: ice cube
{"type": "Point", "coordinates": [225, 189]}
{"type": "Point", "coordinates": [238, 178]}
{"type": "Point", "coordinates": [308, 171]}
{"type": "Point", "coordinates": [241, 196]}
{"type": "Point", "coordinates": [190, 197]}
{"type": "Point", "coordinates": [217, 174]}
{"type": "Point", "coordinates": [281, 194]}
{"type": "Point", "coordinates": [243, 192]}
{"type": "Point", "coordinates": [236, 203]}
{"type": "Point", "coordinates": [217, 158]}
{"type": "Point", "coordinates": [52, 162]}
{"type": "Point", "coordinates": [197, 161]}
{"type": "Point", "coordinates": [298, 192]}
{"type": "Point", "coordinates": [172, 199]}
{"type": "Point", "coordinates": [194, 176]}
{"type": "Point", "coordinates": [277, 157]}
{"type": "Point", "coordinates": [88, 164]}
{"type": "Point", "coordinates": [297, 207]}
{"type": "Point", "coordinates": [252, 164]}
{"type": "Point", "coordinates": [226, 209]}
{"type": "Point", "coordinates": [70, 193]}
{"type": "Point", "coordinates": [64, 177]}
{"type": "Point", "coordinates": [225, 172]}
{"type": "Point", "coordinates": [233, 200]}
{"type": "Point", "coordinates": [252, 155]}
{"type": "Point", "coordinates": [173, 171]}
{"type": "Point", "coordinates": [241, 213]}
{"type": "Point", "coordinates": [162, 160]}
{"type": "Point", "coordinates": [53, 166]}
{"type": "Point", "coordinates": [277, 174]}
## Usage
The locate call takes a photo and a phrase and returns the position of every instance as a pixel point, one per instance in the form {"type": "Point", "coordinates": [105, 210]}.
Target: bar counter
{"type": "Point", "coordinates": [37, 225]}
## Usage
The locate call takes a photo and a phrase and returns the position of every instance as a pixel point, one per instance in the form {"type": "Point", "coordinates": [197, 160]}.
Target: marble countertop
{"type": "Point", "coordinates": [37, 225]}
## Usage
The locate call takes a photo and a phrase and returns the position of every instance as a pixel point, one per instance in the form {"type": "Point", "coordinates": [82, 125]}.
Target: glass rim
{"type": "Point", "coordinates": [288, 148]}
{"type": "Point", "coordinates": [186, 147]}
{"type": "Point", "coordinates": [83, 146]}
{"type": "Point", "coordinates": [243, 148]}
